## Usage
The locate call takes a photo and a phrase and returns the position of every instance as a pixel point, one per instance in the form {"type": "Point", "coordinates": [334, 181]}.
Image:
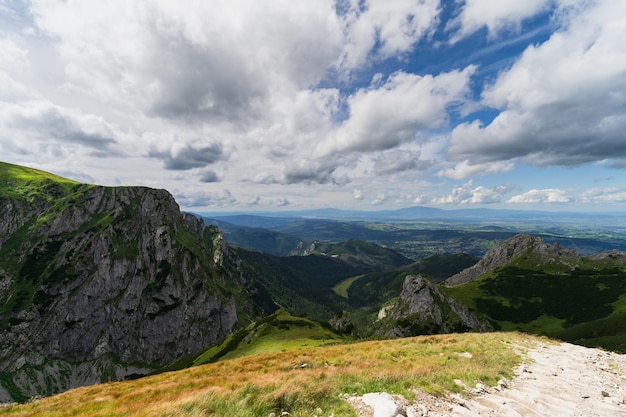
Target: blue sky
{"type": "Point", "coordinates": [352, 104]}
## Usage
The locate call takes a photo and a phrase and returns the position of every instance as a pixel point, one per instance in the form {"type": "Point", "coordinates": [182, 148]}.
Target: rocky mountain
{"type": "Point", "coordinates": [525, 284]}
{"type": "Point", "coordinates": [99, 283]}
{"type": "Point", "coordinates": [423, 309]}
{"type": "Point", "coordinates": [502, 253]}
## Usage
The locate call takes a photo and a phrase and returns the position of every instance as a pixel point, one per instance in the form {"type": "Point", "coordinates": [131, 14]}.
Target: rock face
{"type": "Point", "coordinates": [509, 249]}
{"type": "Point", "coordinates": [99, 283]}
{"type": "Point", "coordinates": [423, 309]}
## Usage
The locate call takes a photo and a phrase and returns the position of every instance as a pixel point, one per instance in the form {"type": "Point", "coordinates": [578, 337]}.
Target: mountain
{"type": "Point", "coordinates": [423, 309]}
{"type": "Point", "coordinates": [421, 213]}
{"type": "Point", "coordinates": [525, 284]}
{"type": "Point", "coordinates": [505, 252]}
{"type": "Point", "coordinates": [99, 283]}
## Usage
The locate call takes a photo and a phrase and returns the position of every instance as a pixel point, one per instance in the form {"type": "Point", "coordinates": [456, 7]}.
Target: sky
{"type": "Point", "coordinates": [247, 105]}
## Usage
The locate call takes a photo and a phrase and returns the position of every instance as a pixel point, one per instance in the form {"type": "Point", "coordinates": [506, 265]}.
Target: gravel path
{"type": "Point", "coordinates": [558, 380]}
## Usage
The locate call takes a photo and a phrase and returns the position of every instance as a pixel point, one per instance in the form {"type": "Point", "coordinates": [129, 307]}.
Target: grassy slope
{"type": "Point", "coordinates": [298, 381]}
{"type": "Point", "coordinates": [586, 305]}
{"type": "Point", "coordinates": [275, 333]}
{"type": "Point", "coordinates": [28, 184]}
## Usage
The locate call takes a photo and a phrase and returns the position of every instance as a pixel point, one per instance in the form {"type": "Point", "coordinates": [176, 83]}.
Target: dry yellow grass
{"type": "Point", "coordinates": [296, 381]}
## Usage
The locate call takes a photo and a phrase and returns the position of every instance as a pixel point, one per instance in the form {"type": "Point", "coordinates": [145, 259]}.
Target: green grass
{"type": "Point", "coordinates": [297, 381]}
{"type": "Point", "coordinates": [275, 333]}
{"type": "Point", "coordinates": [585, 306]}
{"type": "Point", "coordinates": [31, 184]}
{"type": "Point", "coordinates": [341, 289]}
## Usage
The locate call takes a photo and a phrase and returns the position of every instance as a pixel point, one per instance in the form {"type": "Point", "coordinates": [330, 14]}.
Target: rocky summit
{"type": "Point", "coordinates": [503, 252]}
{"type": "Point", "coordinates": [423, 309]}
{"type": "Point", "coordinates": [100, 283]}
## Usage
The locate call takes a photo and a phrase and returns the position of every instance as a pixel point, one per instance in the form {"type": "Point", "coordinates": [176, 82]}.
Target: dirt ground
{"type": "Point", "coordinates": [557, 380]}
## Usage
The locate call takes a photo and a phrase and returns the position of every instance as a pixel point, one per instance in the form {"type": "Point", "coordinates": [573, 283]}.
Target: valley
{"type": "Point", "coordinates": [104, 284]}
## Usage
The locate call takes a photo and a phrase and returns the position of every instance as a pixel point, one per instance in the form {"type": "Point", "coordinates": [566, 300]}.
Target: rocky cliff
{"type": "Point", "coordinates": [423, 309]}
{"type": "Point", "coordinates": [99, 283]}
{"type": "Point", "coordinates": [514, 247]}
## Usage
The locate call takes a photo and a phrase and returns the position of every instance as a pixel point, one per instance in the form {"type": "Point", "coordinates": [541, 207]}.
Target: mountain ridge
{"type": "Point", "coordinates": [89, 274]}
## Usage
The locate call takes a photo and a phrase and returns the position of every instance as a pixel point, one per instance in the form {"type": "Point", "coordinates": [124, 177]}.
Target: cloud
{"type": "Point", "coordinates": [397, 160]}
{"type": "Point", "coordinates": [357, 194]}
{"type": "Point", "coordinates": [468, 194]}
{"type": "Point", "coordinates": [464, 169]}
{"type": "Point", "coordinates": [212, 198]}
{"type": "Point", "coordinates": [611, 195]}
{"type": "Point", "coordinates": [541, 196]}
{"type": "Point", "coordinates": [496, 16]}
{"type": "Point", "coordinates": [385, 116]}
{"type": "Point", "coordinates": [381, 29]}
{"type": "Point", "coordinates": [380, 199]}
{"type": "Point", "coordinates": [43, 128]}
{"type": "Point", "coordinates": [314, 172]}
{"type": "Point", "coordinates": [209, 176]}
{"type": "Point", "coordinates": [184, 157]}
{"type": "Point", "coordinates": [561, 102]}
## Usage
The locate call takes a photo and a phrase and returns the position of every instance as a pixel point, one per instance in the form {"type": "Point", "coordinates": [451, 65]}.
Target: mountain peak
{"type": "Point", "coordinates": [508, 250]}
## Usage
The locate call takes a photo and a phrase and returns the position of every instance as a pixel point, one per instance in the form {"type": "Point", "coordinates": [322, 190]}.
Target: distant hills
{"type": "Point", "coordinates": [284, 236]}
{"type": "Point", "coordinates": [419, 213]}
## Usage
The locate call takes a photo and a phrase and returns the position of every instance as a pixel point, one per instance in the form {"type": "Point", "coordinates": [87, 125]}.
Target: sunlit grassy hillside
{"type": "Point", "coordinates": [297, 381]}
{"type": "Point", "coordinates": [27, 183]}
{"type": "Point", "coordinates": [585, 305]}
{"type": "Point", "coordinates": [277, 332]}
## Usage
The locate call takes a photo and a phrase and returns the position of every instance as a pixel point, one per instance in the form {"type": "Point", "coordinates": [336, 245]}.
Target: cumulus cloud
{"type": "Point", "coordinates": [184, 156]}
{"type": "Point", "coordinates": [494, 15]}
{"type": "Point", "coordinates": [610, 195]}
{"type": "Point", "coordinates": [357, 194]}
{"type": "Point", "coordinates": [561, 102]}
{"type": "Point", "coordinates": [467, 194]}
{"type": "Point", "coordinates": [211, 198]}
{"type": "Point", "coordinates": [465, 169]}
{"type": "Point", "coordinates": [385, 116]}
{"type": "Point", "coordinates": [89, 131]}
{"type": "Point", "coordinates": [384, 28]}
{"type": "Point", "coordinates": [541, 196]}
{"type": "Point", "coordinates": [380, 199]}
{"type": "Point", "coordinates": [209, 176]}
{"type": "Point", "coordinates": [398, 160]}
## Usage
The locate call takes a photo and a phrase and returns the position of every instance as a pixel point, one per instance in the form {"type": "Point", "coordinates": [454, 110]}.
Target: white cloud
{"type": "Point", "coordinates": [562, 102]}
{"type": "Point", "coordinates": [204, 198]}
{"type": "Point", "coordinates": [541, 196]}
{"type": "Point", "coordinates": [464, 169]}
{"type": "Point", "coordinates": [494, 15]}
{"type": "Point", "coordinates": [380, 199]}
{"type": "Point", "coordinates": [282, 202]}
{"type": "Point", "coordinates": [468, 194]}
{"type": "Point", "coordinates": [394, 25]}
{"type": "Point", "coordinates": [612, 195]}
{"type": "Point", "coordinates": [357, 194]}
{"type": "Point", "coordinates": [382, 117]}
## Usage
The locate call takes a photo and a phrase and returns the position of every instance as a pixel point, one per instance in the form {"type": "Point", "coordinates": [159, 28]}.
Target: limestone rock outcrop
{"type": "Point", "coordinates": [100, 283]}
{"type": "Point", "coordinates": [423, 309]}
